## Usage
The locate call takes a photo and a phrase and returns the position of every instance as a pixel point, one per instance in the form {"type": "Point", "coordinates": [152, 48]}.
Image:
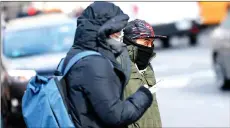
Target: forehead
{"type": "Point", "coordinates": [150, 39]}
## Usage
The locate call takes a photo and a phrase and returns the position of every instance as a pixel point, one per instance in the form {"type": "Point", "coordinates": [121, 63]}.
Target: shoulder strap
{"type": "Point", "coordinates": [60, 65]}
{"type": "Point", "coordinates": [63, 89]}
{"type": "Point", "coordinates": [75, 59]}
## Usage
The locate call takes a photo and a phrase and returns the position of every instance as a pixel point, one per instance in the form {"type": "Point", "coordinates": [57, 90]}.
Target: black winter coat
{"type": "Point", "coordinates": [95, 87]}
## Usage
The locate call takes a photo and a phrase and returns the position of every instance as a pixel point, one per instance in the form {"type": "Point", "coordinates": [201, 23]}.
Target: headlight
{"type": "Point", "coordinates": [21, 75]}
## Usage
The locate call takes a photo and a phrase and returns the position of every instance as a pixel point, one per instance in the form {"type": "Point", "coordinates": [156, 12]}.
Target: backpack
{"type": "Point", "coordinates": [44, 102]}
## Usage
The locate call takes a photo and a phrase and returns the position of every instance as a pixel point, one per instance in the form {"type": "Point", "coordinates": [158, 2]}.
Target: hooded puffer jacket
{"type": "Point", "coordinates": [95, 87]}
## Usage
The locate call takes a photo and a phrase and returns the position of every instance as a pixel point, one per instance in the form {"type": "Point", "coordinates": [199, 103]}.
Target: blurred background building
{"type": "Point", "coordinates": [11, 9]}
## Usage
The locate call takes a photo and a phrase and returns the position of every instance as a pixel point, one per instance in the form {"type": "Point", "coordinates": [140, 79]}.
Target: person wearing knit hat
{"type": "Point", "coordinates": [139, 37]}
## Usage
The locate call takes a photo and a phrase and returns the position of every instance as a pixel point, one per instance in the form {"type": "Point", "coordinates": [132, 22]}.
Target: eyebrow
{"type": "Point", "coordinates": [148, 39]}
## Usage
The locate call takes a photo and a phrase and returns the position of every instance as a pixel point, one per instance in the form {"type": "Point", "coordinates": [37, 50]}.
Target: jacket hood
{"type": "Point", "coordinates": [97, 22]}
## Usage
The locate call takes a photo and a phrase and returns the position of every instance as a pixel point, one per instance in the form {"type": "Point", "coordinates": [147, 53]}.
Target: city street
{"type": "Point", "coordinates": [189, 96]}
{"type": "Point", "coordinates": [37, 35]}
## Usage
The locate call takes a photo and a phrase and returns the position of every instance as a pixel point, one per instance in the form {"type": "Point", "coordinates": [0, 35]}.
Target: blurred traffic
{"type": "Point", "coordinates": [36, 35]}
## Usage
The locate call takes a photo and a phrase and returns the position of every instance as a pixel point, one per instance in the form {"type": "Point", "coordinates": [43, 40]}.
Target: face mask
{"type": "Point", "coordinates": [116, 45]}
{"type": "Point", "coordinates": [141, 55]}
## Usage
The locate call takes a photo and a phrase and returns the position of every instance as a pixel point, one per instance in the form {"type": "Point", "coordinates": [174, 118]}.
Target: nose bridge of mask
{"type": "Point", "coordinates": [121, 35]}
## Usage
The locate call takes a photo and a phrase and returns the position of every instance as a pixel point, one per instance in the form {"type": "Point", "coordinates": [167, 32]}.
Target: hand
{"type": "Point", "coordinates": [152, 89]}
{"type": "Point", "coordinates": [156, 87]}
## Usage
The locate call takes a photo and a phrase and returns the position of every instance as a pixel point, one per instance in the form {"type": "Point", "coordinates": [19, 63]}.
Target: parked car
{"type": "Point", "coordinates": [34, 45]}
{"type": "Point", "coordinates": [220, 39]}
{"type": "Point", "coordinates": [5, 97]}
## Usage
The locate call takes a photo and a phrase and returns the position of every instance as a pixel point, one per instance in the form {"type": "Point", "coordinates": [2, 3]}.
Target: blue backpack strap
{"type": "Point", "coordinates": [60, 65]}
{"type": "Point", "coordinates": [76, 58]}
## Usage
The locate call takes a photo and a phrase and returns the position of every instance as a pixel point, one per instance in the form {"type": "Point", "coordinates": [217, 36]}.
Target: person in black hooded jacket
{"type": "Point", "coordinates": [95, 87]}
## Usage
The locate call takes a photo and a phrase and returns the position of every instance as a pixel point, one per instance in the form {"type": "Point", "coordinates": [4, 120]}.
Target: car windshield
{"type": "Point", "coordinates": [38, 41]}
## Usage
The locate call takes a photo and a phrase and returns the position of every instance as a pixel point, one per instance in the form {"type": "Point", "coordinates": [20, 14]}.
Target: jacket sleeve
{"type": "Point", "coordinates": [104, 94]}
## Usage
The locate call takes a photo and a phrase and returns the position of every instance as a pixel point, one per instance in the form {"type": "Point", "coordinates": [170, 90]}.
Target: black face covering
{"type": "Point", "coordinates": [141, 55]}
{"type": "Point", "coordinates": [144, 55]}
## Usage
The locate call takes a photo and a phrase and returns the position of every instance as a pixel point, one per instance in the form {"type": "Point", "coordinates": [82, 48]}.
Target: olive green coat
{"type": "Point", "coordinates": [151, 118]}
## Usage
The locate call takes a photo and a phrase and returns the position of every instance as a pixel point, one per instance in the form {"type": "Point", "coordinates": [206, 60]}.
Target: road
{"type": "Point", "coordinates": [188, 96]}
